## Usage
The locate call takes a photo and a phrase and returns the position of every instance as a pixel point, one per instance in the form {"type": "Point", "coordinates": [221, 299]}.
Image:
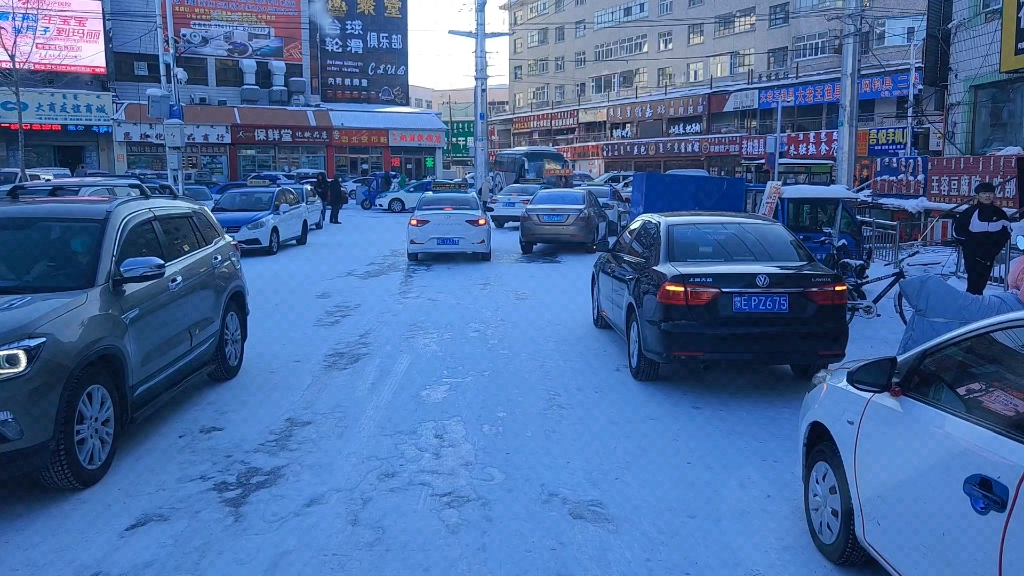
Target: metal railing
{"type": "Point", "coordinates": [882, 237]}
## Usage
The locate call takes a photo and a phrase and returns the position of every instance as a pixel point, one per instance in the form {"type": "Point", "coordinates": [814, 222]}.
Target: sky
{"type": "Point", "coordinates": [441, 61]}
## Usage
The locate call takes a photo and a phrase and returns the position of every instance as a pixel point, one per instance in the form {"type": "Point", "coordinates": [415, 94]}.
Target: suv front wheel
{"type": "Point", "coordinates": [230, 345]}
{"type": "Point", "coordinates": [88, 435]}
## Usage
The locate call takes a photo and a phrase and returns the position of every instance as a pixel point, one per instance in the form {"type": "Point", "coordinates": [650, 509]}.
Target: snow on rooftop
{"type": "Point", "coordinates": [912, 205]}
{"type": "Point", "coordinates": [811, 191]}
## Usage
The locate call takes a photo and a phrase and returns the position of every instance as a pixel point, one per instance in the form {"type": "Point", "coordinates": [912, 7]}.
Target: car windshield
{"type": "Point", "coordinates": [602, 192]}
{"type": "Point", "coordinates": [559, 198]}
{"type": "Point", "coordinates": [245, 201]}
{"type": "Point", "coordinates": [734, 242]}
{"type": "Point", "coordinates": [520, 189]}
{"type": "Point", "coordinates": [445, 202]}
{"type": "Point", "coordinates": [8, 177]}
{"type": "Point", "coordinates": [200, 193]}
{"type": "Point", "coordinates": [53, 255]}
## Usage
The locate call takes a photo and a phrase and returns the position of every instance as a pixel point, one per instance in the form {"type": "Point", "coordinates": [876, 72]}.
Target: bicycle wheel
{"type": "Point", "coordinates": [902, 307]}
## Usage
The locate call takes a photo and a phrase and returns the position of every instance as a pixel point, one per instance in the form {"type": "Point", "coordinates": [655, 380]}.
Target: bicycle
{"type": "Point", "coordinates": [858, 302]}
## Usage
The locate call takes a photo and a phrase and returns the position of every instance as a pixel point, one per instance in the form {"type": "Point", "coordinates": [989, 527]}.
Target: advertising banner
{"type": "Point", "coordinates": [364, 56]}
{"type": "Point", "coordinates": [710, 146]}
{"type": "Point", "coordinates": [280, 135]}
{"type": "Point", "coordinates": [460, 136]}
{"type": "Point", "coordinates": [770, 200]}
{"type": "Point", "coordinates": [907, 176]}
{"type": "Point", "coordinates": [951, 180]}
{"type": "Point", "coordinates": [418, 138]}
{"type": "Point", "coordinates": [882, 141]}
{"type": "Point", "coordinates": [54, 36]}
{"type": "Point", "coordinates": [593, 115]}
{"type": "Point", "coordinates": [39, 106]}
{"type": "Point", "coordinates": [659, 109]}
{"type": "Point", "coordinates": [889, 86]}
{"type": "Point", "coordinates": [257, 29]}
{"type": "Point", "coordinates": [1011, 43]}
{"type": "Point", "coordinates": [533, 122]}
{"type": "Point", "coordinates": [154, 132]}
{"type": "Point", "coordinates": [821, 144]}
{"type": "Point", "coordinates": [753, 146]}
{"type": "Point", "coordinates": [353, 137]}
{"type": "Point", "coordinates": [580, 151]}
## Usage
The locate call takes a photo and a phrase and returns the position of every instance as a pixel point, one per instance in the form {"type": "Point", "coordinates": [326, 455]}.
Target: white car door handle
{"type": "Point", "coordinates": [174, 284]}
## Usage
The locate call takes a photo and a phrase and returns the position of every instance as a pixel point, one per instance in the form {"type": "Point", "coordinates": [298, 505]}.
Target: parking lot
{"type": "Point", "coordinates": [447, 416]}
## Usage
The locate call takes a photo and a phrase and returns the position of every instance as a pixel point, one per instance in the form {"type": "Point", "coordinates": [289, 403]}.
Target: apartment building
{"type": "Point", "coordinates": [582, 70]}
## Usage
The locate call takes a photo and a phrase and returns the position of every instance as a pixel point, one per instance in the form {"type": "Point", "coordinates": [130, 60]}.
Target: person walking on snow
{"type": "Point", "coordinates": [982, 230]}
{"type": "Point", "coordinates": [337, 192]}
{"type": "Point", "coordinates": [323, 191]}
{"type": "Point", "coordinates": [485, 190]}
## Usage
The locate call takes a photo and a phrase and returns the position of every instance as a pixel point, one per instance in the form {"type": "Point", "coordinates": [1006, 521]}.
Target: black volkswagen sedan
{"type": "Point", "coordinates": [718, 286]}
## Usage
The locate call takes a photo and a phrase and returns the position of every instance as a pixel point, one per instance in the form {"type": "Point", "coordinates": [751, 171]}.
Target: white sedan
{"type": "Point", "coordinates": [919, 460]}
{"type": "Point", "coordinates": [511, 201]}
{"type": "Point", "coordinates": [449, 223]}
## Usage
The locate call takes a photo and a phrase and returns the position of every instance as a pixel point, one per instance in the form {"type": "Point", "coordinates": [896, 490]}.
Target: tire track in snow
{"type": "Point", "coordinates": [380, 400]}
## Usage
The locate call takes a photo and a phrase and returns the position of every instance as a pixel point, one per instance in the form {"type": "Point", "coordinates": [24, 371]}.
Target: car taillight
{"type": "Point", "coordinates": [494, 201]}
{"type": "Point", "coordinates": [478, 222]}
{"type": "Point", "coordinates": [417, 222]}
{"type": "Point", "coordinates": [681, 294]}
{"type": "Point", "coordinates": [834, 295]}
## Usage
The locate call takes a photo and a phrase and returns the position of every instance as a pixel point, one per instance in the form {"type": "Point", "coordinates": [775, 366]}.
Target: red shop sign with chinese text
{"type": "Point", "coordinates": [284, 135]}
{"type": "Point", "coordinates": [820, 144]}
{"type": "Point", "coordinates": [349, 137]}
{"type": "Point", "coordinates": [951, 180]}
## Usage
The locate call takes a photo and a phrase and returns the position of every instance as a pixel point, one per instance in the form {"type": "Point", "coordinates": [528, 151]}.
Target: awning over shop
{"type": "Point", "coordinates": [385, 118]}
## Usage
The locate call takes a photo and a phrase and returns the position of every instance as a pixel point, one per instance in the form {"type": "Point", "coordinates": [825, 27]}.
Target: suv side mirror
{"type": "Point", "coordinates": [141, 270]}
{"type": "Point", "coordinates": [602, 246]}
{"type": "Point", "coordinates": [873, 376]}
{"type": "Point", "coordinates": [283, 209]}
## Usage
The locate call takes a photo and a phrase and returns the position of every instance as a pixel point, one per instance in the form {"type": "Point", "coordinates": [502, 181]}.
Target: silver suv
{"type": "Point", "coordinates": [107, 306]}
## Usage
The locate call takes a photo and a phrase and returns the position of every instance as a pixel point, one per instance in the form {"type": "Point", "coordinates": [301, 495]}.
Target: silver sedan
{"type": "Point", "coordinates": [563, 216]}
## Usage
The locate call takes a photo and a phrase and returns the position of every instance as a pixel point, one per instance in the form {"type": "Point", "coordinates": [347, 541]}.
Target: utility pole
{"type": "Point", "coordinates": [174, 126]}
{"type": "Point", "coordinates": [846, 150]}
{"type": "Point", "coordinates": [910, 96]}
{"type": "Point", "coordinates": [480, 98]}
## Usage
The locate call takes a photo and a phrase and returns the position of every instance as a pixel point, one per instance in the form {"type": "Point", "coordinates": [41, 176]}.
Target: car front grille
{"type": "Point", "coordinates": [233, 229]}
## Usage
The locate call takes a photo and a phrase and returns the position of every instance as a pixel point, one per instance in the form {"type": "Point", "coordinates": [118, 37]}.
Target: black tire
{"type": "Point", "coordinates": [902, 308]}
{"type": "Point", "coordinates": [227, 362]}
{"type": "Point", "coordinates": [485, 256]}
{"type": "Point", "coordinates": [320, 223]}
{"type": "Point", "coordinates": [595, 308]}
{"type": "Point", "coordinates": [366, 204]}
{"type": "Point", "coordinates": [592, 247]}
{"type": "Point", "coordinates": [304, 237]}
{"type": "Point", "coordinates": [845, 550]}
{"type": "Point", "coordinates": [806, 371]}
{"type": "Point", "coordinates": [412, 257]}
{"type": "Point", "coordinates": [526, 248]}
{"type": "Point", "coordinates": [65, 470]}
{"type": "Point", "coordinates": [499, 223]}
{"type": "Point", "coordinates": [642, 369]}
{"type": "Point", "coordinates": [275, 242]}
{"type": "Point", "coordinates": [396, 206]}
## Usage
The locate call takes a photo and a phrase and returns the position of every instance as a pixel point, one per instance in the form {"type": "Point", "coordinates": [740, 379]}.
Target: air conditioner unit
{"type": "Point", "coordinates": [222, 102]}
{"type": "Point", "coordinates": [199, 98]}
{"type": "Point", "coordinates": [298, 100]}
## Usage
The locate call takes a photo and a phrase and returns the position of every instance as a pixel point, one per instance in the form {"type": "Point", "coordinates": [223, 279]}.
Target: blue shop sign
{"type": "Point", "coordinates": [886, 141]}
{"type": "Point", "coordinates": [903, 176]}
{"type": "Point", "coordinates": [889, 86]}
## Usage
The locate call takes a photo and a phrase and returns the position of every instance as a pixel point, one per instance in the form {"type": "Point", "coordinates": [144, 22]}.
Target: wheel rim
{"type": "Point", "coordinates": [273, 241]}
{"type": "Point", "coordinates": [232, 339]}
{"type": "Point", "coordinates": [824, 503]}
{"type": "Point", "coordinates": [634, 344]}
{"type": "Point", "coordinates": [395, 207]}
{"type": "Point", "coordinates": [594, 307]}
{"type": "Point", "coordinates": [94, 427]}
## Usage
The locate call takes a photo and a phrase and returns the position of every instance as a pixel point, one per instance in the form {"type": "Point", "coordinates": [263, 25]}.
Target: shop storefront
{"type": "Point", "coordinates": [62, 129]}
{"type": "Point", "coordinates": [282, 148]}
{"type": "Point", "coordinates": [358, 152]}
{"type": "Point", "coordinates": [145, 156]}
{"type": "Point", "coordinates": [207, 160]}
{"type": "Point", "coordinates": [140, 146]}
{"type": "Point", "coordinates": [416, 154]}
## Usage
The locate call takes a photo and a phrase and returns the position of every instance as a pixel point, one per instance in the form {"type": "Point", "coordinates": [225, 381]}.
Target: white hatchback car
{"type": "Point", "coordinates": [919, 460]}
{"type": "Point", "coordinates": [449, 223]}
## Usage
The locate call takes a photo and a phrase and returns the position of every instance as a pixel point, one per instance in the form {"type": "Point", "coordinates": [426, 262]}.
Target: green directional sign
{"type": "Point", "coordinates": [460, 136]}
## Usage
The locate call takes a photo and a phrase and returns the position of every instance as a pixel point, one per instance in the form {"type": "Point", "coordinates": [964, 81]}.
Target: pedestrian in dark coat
{"type": "Point", "coordinates": [337, 194]}
{"type": "Point", "coordinates": [322, 189]}
{"type": "Point", "coordinates": [982, 230]}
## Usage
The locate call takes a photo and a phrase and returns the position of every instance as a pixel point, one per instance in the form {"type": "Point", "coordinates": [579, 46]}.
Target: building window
{"type": "Point", "coordinates": [559, 93]}
{"type": "Point", "coordinates": [811, 45]}
{"type": "Point", "coordinates": [559, 63]}
{"type": "Point", "coordinates": [695, 3]}
{"type": "Point", "coordinates": [581, 28]}
{"type": "Point", "coordinates": [664, 7]}
{"type": "Point", "coordinates": [742, 61]}
{"type": "Point", "coordinates": [987, 5]}
{"type": "Point", "coordinates": [542, 66]}
{"type": "Point", "coordinates": [621, 48]}
{"type": "Point", "coordinates": [696, 34]}
{"type": "Point", "coordinates": [517, 46]}
{"type": "Point", "coordinates": [197, 70]}
{"type": "Point", "coordinates": [430, 104]}
{"type": "Point", "coordinates": [531, 68]}
{"type": "Point", "coordinates": [808, 5]}
{"type": "Point", "coordinates": [517, 72]}
{"type": "Point", "coordinates": [666, 77]}
{"type": "Point", "coordinates": [665, 40]}
{"type": "Point", "coordinates": [720, 65]}
{"type": "Point", "coordinates": [778, 15]}
{"type": "Point", "coordinates": [897, 32]}
{"type": "Point", "coordinates": [537, 38]}
{"type": "Point", "coordinates": [264, 79]}
{"type": "Point", "coordinates": [229, 75]}
{"type": "Point", "coordinates": [602, 84]}
{"type": "Point", "coordinates": [519, 100]}
{"type": "Point", "coordinates": [735, 22]}
{"type": "Point", "coordinates": [628, 12]}
{"type": "Point", "coordinates": [581, 2]}
{"type": "Point", "coordinates": [559, 5]}
{"type": "Point", "coordinates": [778, 58]}
{"type": "Point", "coordinates": [536, 9]}
{"type": "Point", "coordinates": [695, 71]}
{"type": "Point", "coordinates": [581, 59]}
{"type": "Point", "coordinates": [540, 93]}
{"type": "Point", "coordinates": [517, 17]}
{"type": "Point", "coordinates": [581, 90]}
{"type": "Point", "coordinates": [559, 34]}
{"type": "Point", "coordinates": [418, 103]}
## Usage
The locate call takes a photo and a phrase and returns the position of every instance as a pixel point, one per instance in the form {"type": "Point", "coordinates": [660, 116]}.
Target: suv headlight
{"type": "Point", "coordinates": [17, 357]}
{"type": "Point", "coordinates": [262, 223]}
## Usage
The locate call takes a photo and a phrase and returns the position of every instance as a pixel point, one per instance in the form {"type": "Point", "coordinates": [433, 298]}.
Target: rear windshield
{"type": "Point", "coordinates": [521, 189]}
{"type": "Point", "coordinates": [564, 198]}
{"type": "Point", "coordinates": [200, 193]}
{"type": "Point", "coordinates": [734, 243]}
{"type": "Point", "coordinates": [435, 202]}
{"type": "Point", "coordinates": [601, 192]}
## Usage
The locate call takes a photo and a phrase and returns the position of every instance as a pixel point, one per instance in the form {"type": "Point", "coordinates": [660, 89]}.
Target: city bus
{"type": "Point", "coordinates": [529, 162]}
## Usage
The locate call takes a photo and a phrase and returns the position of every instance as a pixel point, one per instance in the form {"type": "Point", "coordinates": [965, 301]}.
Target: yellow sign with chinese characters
{"type": "Point", "coordinates": [1011, 53]}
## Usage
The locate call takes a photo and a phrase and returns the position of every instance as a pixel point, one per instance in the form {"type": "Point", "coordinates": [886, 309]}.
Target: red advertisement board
{"type": "Point", "coordinates": [951, 180]}
{"type": "Point", "coordinates": [260, 30]}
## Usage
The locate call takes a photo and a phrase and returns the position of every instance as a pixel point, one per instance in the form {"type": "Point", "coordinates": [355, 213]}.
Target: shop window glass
{"type": "Point", "coordinates": [264, 79]}
{"type": "Point", "coordinates": [998, 117]}
{"type": "Point", "coordinates": [197, 70]}
{"type": "Point", "coordinates": [229, 74]}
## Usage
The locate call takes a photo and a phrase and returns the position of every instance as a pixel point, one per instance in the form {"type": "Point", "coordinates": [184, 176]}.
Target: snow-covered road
{"type": "Point", "coordinates": [441, 417]}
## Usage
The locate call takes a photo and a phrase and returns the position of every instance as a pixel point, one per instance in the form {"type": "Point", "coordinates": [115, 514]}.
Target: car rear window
{"type": "Point", "coordinates": [520, 189]}
{"type": "Point", "coordinates": [562, 198]}
{"type": "Point", "coordinates": [199, 193]}
{"type": "Point", "coordinates": [734, 242]}
{"type": "Point", "coordinates": [601, 192]}
{"type": "Point", "coordinates": [436, 202]}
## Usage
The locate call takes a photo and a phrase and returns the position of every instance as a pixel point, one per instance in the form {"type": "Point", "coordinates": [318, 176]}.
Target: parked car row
{"type": "Point", "coordinates": [262, 217]}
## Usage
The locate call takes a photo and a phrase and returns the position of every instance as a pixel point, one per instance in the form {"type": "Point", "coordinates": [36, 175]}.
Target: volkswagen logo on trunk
{"type": "Point", "coordinates": [762, 280]}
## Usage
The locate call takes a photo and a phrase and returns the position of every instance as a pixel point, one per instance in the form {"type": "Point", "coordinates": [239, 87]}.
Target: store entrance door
{"type": "Point", "coordinates": [70, 157]}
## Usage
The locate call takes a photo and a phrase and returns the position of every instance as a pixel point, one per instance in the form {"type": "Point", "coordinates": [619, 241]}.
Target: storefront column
{"type": "Point", "coordinates": [438, 162]}
{"type": "Point", "coordinates": [387, 160]}
{"type": "Point", "coordinates": [233, 164]}
{"type": "Point", "coordinates": [330, 162]}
